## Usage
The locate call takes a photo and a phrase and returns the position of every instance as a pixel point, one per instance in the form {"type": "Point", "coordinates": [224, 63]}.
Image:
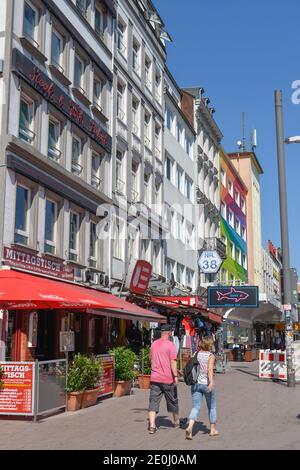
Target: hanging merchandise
{"type": "Point", "coordinates": [188, 325]}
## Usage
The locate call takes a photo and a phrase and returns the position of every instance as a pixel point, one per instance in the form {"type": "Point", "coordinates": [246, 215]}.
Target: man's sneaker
{"type": "Point", "coordinates": [152, 430]}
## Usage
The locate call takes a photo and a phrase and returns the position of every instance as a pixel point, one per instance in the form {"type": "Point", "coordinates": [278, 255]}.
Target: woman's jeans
{"type": "Point", "coordinates": [198, 391]}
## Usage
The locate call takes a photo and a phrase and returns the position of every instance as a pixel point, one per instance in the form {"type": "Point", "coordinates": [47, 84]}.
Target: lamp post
{"type": "Point", "coordinates": [287, 293]}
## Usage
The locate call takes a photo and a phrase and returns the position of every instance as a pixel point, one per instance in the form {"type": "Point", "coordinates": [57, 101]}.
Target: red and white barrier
{"type": "Point", "coordinates": [272, 364]}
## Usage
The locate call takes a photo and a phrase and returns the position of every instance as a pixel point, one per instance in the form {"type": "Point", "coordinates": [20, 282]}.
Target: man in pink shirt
{"type": "Point", "coordinates": [164, 378]}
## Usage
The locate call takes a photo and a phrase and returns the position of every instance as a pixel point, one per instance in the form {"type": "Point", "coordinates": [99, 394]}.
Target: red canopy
{"type": "Point", "coordinates": [24, 291]}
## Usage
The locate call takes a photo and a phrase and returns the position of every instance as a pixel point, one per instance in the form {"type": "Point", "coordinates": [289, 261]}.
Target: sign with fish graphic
{"type": "Point", "coordinates": [230, 296]}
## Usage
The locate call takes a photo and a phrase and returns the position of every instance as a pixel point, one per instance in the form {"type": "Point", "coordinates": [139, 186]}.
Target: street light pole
{"type": "Point", "coordinates": [284, 240]}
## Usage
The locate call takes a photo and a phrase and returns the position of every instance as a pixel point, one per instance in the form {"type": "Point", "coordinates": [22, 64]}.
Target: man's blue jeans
{"type": "Point", "coordinates": [198, 392]}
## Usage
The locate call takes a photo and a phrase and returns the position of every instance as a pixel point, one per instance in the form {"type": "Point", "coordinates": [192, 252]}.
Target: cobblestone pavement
{"type": "Point", "coordinates": [251, 415]}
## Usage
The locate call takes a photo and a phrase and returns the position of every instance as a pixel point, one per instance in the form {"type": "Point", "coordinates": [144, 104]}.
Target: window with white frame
{"type": "Point", "coordinates": [120, 101]}
{"type": "Point", "coordinates": [135, 182]}
{"type": "Point", "coordinates": [179, 273]}
{"type": "Point", "coordinates": [244, 261]}
{"type": "Point", "coordinates": [189, 234]}
{"type": "Point", "coordinates": [50, 226]}
{"type": "Point", "coordinates": [157, 141]}
{"type": "Point", "coordinates": [82, 6]}
{"type": "Point", "coordinates": [96, 165]}
{"type": "Point", "coordinates": [180, 227]}
{"type": "Point", "coordinates": [146, 250]}
{"type": "Point", "coordinates": [188, 188]}
{"type": "Point", "coordinates": [77, 148]}
{"type": "Point", "coordinates": [237, 225]}
{"type": "Point", "coordinates": [238, 255]}
{"type": "Point", "coordinates": [230, 187]}
{"type": "Point", "coordinates": [57, 49]}
{"type": "Point", "coordinates": [99, 21]}
{"type": "Point", "coordinates": [147, 130]}
{"type": "Point", "coordinates": [169, 169]}
{"type": "Point", "coordinates": [158, 86]}
{"type": "Point", "coordinates": [118, 239]}
{"type": "Point", "coordinates": [168, 119]}
{"type": "Point", "coordinates": [237, 198]}
{"type": "Point", "coordinates": [121, 41]}
{"type": "Point", "coordinates": [178, 132]}
{"type": "Point", "coordinates": [223, 210]}
{"type": "Point", "coordinates": [79, 68]}
{"type": "Point", "coordinates": [26, 122]}
{"type": "Point", "coordinates": [54, 132]}
{"type": "Point", "coordinates": [231, 250]}
{"type": "Point", "coordinates": [224, 240]}
{"type": "Point", "coordinates": [230, 218]}
{"type": "Point", "coordinates": [74, 236]}
{"type": "Point", "coordinates": [31, 22]}
{"type": "Point", "coordinates": [179, 176]}
{"type": "Point", "coordinates": [22, 214]}
{"type": "Point", "coordinates": [156, 258]}
{"type": "Point", "coordinates": [93, 242]}
{"type": "Point", "coordinates": [135, 116]}
{"type": "Point", "coordinates": [232, 281]}
{"type": "Point", "coordinates": [157, 197]}
{"type": "Point", "coordinates": [243, 205]}
{"type": "Point", "coordinates": [169, 267]}
{"type": "Point", "coordinates": [189, 277]}
{"type": "Point", "coordinates": [188, 146]}
{"type": "Point", "coordinates": [97, 92]}
{"type": "Point", "coordinates": [120, 184]}
{"type": "Point", "coordinates": [224, 275]}
{"type": "Point", "coordinates": [148, 80]}
{"type": "Point", "coordinates": [223, 177]}
{"type": "Point", "coordinates": [147, 189]}
{"type": "Point", "coordinates": [244, 233]}
{"type": "Point", "coordinates": [136, 56]}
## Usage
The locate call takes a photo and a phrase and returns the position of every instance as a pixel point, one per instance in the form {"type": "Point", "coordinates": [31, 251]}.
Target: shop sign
{"type": "Point", "coordinates": [38, 264]}
{"type": "Point", "coordinates": [226, 296]}
{"type": "Point", "coordinates": [33, 75]}
{"type": "Point", "coordinates": [107, 380]}
{"type": "Point", "coordinates": [189, 300]}
{"type": "Point", "coordinates": [140, 277]}
{"type": "Point", "coordinates": [17, 396]}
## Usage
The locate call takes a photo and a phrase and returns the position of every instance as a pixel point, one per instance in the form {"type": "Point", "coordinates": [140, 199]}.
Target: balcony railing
{"type": "Point", "coordinates": [147, 141]}
{"type": "Point", "coordinates": [157, 152]}
{"type": "Point", "coordinates": [81, 8]}
{"type": "Point", "coordinates": [134, 195]}
{"type": "Point", "coordinates": [26, 134]}
{"type": "Point", "coordinates": [121, 115]}
{"type": "Point", "coordinates": [135, 129]}
{"type": "Point", "coordinates": [120, 185]}
{"type": "Point", "coordinates": [77, 168]}
{"type": "Point", "coordinates": [215, 244]}
{"type": "Point", "coordinates": [54, 153]}
{"type": "Point", "coordinates": [121, 47]}
{"type": "Point", "coordinates": [148, 83]}
{"type": "Point", "coordinates": [95, 181]}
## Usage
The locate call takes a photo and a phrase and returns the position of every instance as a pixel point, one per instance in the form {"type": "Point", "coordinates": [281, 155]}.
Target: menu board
{"type": "Point", "coordinates": [107, 379]}
{"type": "Point", "coordinates": [17, 395]}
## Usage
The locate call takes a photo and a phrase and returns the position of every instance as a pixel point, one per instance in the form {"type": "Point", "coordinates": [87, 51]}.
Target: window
{"type": "Point", "coordinates": [179, 175]}
{"type": "Point", "coordinates": [237, 197]}
{"type": "Point", "coordinates": [179, 273]}
{"type": "Point", "coordinates": [31, 19]}
{"type": "Point", "coordinates": [121, 37]}
{"type": "Point", "coordinates": [244, 233]}
{"type": "Point", "coordinates": [145, 250]}
{"type": "Point", "coordinates": [157, 197]}
{"type": "Point", "coordinates": [119, 172]}
{"type": "Point", "coordinates": [148, 81]}
{"type": "Point", "coordinates": [147, 130]}
{"type": "Point", "coordinates": [224, 275]}
{"type": "Point", "coordinates": [188, 188]}
{"type": "Point", "coordinates": [26, 120]}
{"type": "Point", "coordinates": [232, 280]}
{"type": "Point", "coordinates": [224, 239]}
{"type": "Point", "coordinates": [135, 57]}
{"type": "Point", "coordinates": [73, 236]}
{"type": "Point", "coordinates": [99, 22]}
{"type": "Point", "coordinates": [237, 225]}
{"type": "Point", "coordinates": [179, 227]}
{"type": "Point", "coordinates": [82, 6]}
{"type": "Point", "coordinates": [157, 141]}
{"type": "Point", "coordinates": [79, 73]}
{"type": "Point", "coordinates": [189, 278]}
{"type": "Point", "coordinates": [135, 116]}
{"type": "Point", "coordinates": [118, 239]}
{"type": "Point", "coordinates": [158, 86]}
{"type": "Point", "coordinates": [231, 250]}
{"type": "Point", "coordinates": [243, 205]}
{"type": "Point", "coordinates": [223, 177]}
{"type": "Point", "coordinates": [168, 119]}
{"type": "Point", "coordinates": [50, 226]}
{"type": "Point", "coordinates": [76, 156]}
{"type": "Point", "coordinates": [188, 146]}
{"type": "Point", "coordinates": [135, 186]}
{"type": "Point", "coordinates": [223, 210]}
{"type": "Point", "coordinates": [120, 102]}
{"type": "Point", "coordinates": [54, 140]}
{"type": "Point", "coordinates": [169, 169]}
{"type": "Point", "coordinates": [189, 234]}
{"type": "Point", "coordinates": [244, 261]}
{"type": "Point", "coordinates": [230, 217]}
{"type": "Point", "coordinates": [178, 132]}
{"type": "Point", "coordinates": [57, 47]}
{"type": "Point", "coordinates": [93, 241]}
{"type": "Point", "coordinates": [230, 187]}
{"type": "Point", "coordinates": [97, 98]}
{"type": "Point", "coordinates": [147, 189]}
{"type": "Point", "coordinates": [238, 255]}
{"type": "Point", "coordinates": [156, 258]}
{"type": "Point", "coordinates": [169, 266]}
{"type": "Point", "coordinates": [22, 215]}
{"type": "Point", "coordinates": [95, 177]}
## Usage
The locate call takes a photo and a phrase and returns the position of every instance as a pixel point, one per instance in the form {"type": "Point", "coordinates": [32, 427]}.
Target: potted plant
{"type": "Point", "coordinates": [124, 370]}
{"type": "Point", "coordinates": [83, 376]}
{"type": "Point", "coordinates": [144, 378]}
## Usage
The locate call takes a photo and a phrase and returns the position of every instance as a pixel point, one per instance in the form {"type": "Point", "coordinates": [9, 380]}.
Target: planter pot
{"type": "Point", "coordinates": [144, 384]}
{"type": "Point", "coordinates": [74, 400]}
{"type": "Point", "coordinates": [122, 388]}
{"type": "Point", "coordinates": [90, 397]}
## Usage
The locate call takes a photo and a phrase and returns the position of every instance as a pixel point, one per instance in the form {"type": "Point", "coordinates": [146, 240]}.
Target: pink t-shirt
{"type": "Point", "coordinates": [163, 351]}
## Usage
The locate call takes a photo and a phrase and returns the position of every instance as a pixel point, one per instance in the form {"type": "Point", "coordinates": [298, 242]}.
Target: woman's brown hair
{"type": "Point", "coordinates": [206, 344]}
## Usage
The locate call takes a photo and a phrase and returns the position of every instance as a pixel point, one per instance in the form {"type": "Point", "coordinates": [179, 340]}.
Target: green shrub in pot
{"type": "Point", "coordinates": [83, 373]}
{"type": "Point", "coordinates": [124, 363]}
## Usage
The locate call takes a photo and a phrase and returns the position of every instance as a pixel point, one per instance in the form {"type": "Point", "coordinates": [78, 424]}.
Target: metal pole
{"type": "Point", "coordinates": [289, 343]}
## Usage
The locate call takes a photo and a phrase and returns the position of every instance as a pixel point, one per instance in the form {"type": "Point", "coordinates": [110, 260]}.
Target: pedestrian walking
{"type": "Point", "coordinates": [164, 378]}
{"type": "Point", "coordinates": [205, 387]}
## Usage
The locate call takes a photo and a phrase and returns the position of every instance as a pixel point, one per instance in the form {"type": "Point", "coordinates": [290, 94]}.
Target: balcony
{"type": "Point", "coordinates": [54, 153]}
{"type": "Point", "coordinates": [26, 134]}
{"type": "Point", "coordinates": [76, 168]}
{"type": "Point", "coordinates": [134, 196]}
{"type": "Point", "coordinates": [215, 244]}
{"type": "Point", "coordinates": [95, 182]}
{"type": "Point", "coordinates": [120, 186]}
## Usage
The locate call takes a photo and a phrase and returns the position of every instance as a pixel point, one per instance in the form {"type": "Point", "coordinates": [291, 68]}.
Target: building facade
{"type": "Point", "coordinates": [233, 224]}
{"type": "Point", "coordinates": [272, 266]}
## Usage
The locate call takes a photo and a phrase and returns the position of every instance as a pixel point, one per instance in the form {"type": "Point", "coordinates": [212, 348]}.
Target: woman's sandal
{"type": "Point", "coordinates": [188, 435]}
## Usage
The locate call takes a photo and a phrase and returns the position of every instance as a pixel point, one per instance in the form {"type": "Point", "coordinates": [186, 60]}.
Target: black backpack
{"type": "Point", "coordinates": [191, 370]}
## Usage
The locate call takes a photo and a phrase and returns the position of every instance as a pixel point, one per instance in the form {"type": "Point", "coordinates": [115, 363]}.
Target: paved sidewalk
{"type": "Point", "coordinates": [251, 415]}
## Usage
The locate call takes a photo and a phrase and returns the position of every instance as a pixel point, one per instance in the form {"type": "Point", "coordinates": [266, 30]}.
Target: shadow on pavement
{"type": "Point", "coordinates": [298, 416]}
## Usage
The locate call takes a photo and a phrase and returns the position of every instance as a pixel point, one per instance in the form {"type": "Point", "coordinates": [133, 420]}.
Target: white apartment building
{"type": "Point", "coordinates": [272, 267]}
{"type": "Point", "coordinates": [56, 128]}
{"type": "Point", "coordinates": [138, 148]}
{"type": "Point", "coordinates": [179, 191]}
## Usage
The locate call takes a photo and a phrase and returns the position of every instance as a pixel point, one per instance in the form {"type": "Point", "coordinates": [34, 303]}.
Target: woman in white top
{"type": "Point", "coordinates": [205, 387]}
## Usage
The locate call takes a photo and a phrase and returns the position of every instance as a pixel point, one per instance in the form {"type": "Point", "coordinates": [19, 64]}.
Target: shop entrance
{"type": "Point", "coordinates": [46, 336]}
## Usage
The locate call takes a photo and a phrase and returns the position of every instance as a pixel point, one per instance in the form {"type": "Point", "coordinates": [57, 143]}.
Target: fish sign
{"type": "Point", "coordinates": [227, 296]}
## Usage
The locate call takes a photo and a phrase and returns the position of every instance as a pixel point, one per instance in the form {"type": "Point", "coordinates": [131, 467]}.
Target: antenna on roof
{"type": "Point", "coordinates": [244, 133]}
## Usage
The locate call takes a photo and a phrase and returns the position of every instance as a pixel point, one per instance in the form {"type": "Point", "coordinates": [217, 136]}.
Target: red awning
{"type": "Point", "coordinates": [215, 317]}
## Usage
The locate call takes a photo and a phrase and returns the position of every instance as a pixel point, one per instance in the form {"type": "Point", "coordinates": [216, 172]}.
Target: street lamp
{"type": "Point", "coordinates": [287, 293]}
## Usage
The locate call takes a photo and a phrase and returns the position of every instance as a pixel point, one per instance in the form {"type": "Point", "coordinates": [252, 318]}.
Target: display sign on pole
{"type": "Point", "coordinates": [17, 396]}
{"type": "Point", "coordinates": [107, 380]}
{"type": "Point", "coordinates": [140, 277]}
{"type": "Point", "coordinates": [226, 296]}
{"type": "Point", "coordinates": [209, 262]}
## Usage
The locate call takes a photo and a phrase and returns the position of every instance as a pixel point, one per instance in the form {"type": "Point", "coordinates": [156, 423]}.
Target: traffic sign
{"type": "Point", "coordinates": [209, 262]}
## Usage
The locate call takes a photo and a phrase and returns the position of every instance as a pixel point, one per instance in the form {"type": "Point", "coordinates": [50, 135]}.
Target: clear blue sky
{"type": "Point", "coordinates": [240, 51]}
